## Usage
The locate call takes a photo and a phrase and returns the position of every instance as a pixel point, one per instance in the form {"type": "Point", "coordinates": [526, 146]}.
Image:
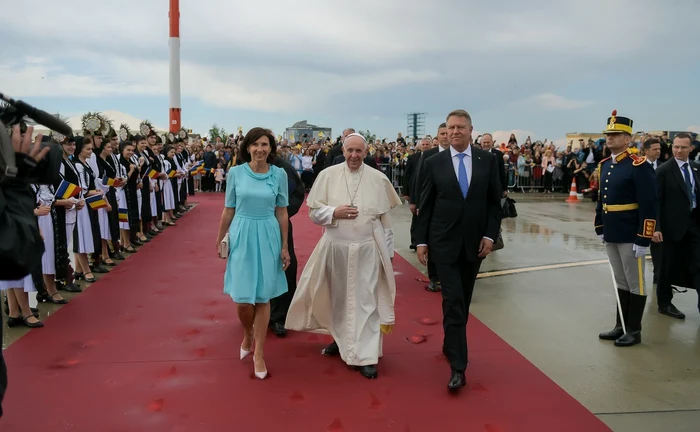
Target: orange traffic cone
{"type": "Point", "coordinates": [573, 195]}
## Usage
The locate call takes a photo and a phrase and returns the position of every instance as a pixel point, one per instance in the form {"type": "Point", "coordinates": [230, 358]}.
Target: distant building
{"type": "Point", "coordinates": [304, 131]}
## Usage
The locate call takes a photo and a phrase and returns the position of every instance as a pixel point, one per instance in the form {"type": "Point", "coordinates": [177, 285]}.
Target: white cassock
{"type": "Point", "coordinates": [347, 288]}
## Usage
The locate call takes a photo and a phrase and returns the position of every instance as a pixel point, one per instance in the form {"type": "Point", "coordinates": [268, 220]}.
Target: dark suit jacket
{"type": "Point", "coordinates": [447, 221]}
{"type": "Point", "coordinates": [369, 160]}
{"type": "Point", "coordinates": [334, 152]}
{"type": "Point", "coordinates": [501, 169]}
{"type": "Point", "coordinates": [674, 202]}
{"type": "Point", "coordinates": [296, 186]}
{"type": "Point", "coordinates": [415, 189]}
{"type": "Point", "coordinates": [321, 162]}
{"type": "Point", "coordinates": [410, 171]}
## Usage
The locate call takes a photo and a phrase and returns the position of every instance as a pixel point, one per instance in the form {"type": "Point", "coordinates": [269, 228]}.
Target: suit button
{"type": "Point", "coordinates": [606, 182]}
{"type": "Point", "coordinates": [605, 196]}
{"type": "Point", "coordinates": [606, 188]}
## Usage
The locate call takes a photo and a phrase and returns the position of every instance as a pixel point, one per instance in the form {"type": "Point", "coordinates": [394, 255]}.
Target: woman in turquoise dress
{"type": "Point", "coordinates": [255, 217]}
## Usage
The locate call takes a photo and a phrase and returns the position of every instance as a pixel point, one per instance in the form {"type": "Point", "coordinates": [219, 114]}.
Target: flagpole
{"type": "Point", "coordinates": [174, 45]}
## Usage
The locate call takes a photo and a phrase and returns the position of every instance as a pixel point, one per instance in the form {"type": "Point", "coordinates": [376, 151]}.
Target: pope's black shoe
{"type": "Point", "coordinates": [457, 381]}
{"type": "Point", "coordinates": [369, 372]}
{"type": "Point", "coordinates": [331, 350]}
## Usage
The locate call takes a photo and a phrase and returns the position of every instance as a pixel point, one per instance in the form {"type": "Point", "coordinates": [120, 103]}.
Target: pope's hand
{"type": "Point", "coordinates": [345, 212]}
{"type": "Point", "coordinates": [422, 252]}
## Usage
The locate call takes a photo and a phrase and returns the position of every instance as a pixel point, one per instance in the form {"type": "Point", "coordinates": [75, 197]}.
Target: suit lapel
{"type": "Point", "coordinates": [679, 176]}
{"type": "Point", "coordinates": [449, 169]}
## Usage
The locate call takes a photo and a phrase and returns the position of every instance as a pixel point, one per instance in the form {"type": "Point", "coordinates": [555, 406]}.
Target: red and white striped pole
{"type": "Point", "coordinates": [174, 44]}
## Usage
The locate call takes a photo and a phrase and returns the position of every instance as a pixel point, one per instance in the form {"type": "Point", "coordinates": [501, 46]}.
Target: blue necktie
{"type": "Point", "coordinates": [462, 175]}
{"type": "Point", "coordinates": [689, 185]}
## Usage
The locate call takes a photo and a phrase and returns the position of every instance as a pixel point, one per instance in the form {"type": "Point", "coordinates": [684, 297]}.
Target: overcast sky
{"type": "Point", "coordinates": [541, 68]}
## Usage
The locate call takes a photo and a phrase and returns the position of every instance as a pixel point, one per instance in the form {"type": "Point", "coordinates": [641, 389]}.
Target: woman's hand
{"type": "Point", "coordinates": [286, 260]}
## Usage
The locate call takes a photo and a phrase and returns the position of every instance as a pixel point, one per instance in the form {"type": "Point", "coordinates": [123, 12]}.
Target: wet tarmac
{"type": "Point", "coordinates": [548, 294]}
{"type": "Point", "coordinates": [558, 296]}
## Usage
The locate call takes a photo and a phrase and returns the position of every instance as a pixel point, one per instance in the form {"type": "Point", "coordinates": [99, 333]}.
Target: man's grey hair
{"type": "Point", "coordinates": [491, 136]}
{"type": "Point", "coordinates": [347, 132]}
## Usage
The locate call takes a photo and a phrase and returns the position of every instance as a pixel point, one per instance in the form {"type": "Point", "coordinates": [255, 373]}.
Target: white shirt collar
{"type": "Point", "coordinates": [681, 163]}
{"type": "Point", "coordinates": [440, 148]}
{"type": "Point", "coordinates": [467, 152]}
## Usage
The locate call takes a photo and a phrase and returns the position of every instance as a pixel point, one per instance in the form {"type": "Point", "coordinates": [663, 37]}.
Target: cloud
{"type": "Point", "coordinates": [555, 102]}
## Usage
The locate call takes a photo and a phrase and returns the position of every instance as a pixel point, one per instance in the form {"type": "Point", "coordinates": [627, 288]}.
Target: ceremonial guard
{"type": "Point", "coordinates": [625, 220]}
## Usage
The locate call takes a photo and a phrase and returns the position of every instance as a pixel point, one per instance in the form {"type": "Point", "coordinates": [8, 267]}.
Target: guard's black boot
{"type": "Point", "coordinates": [617, 332]}
{"type": "Point", "coordinates": [635, 312]}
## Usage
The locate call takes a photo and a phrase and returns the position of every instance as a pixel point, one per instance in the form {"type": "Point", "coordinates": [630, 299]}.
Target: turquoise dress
{"type": "Point", "coordinates": [254, 272]}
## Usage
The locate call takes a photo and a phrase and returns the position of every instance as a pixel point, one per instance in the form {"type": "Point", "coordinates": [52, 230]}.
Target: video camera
{"type": "Point", "coordinates": [21, 167]}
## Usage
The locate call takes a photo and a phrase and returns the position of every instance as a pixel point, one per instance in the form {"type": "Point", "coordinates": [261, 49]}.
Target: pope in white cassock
{"type": "Point", "coordinates": [347, 288]}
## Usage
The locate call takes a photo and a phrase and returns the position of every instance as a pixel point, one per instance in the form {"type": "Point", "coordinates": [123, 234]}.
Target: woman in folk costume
{"type": "Point", "coordinates": [109, 181]}
{"type": "Point", "coordinates": [126, 196]}
{"type": "Point", "coordinates": [66, 217]}
{"type": "Point", "coordinates": [184, 158]}
{"type": "Point", "coordinates": [95, 127]}
{"type": "Point", "coordinates": [155, 144]}
{"type": "Point", "coordinates": [176, 181]}
{"type": "Point", "coordinates": [46, 204]}
{"type": "Point", "coordinates": [147, 188]}
{"type": "Point", "coordinates": [86, 218]}
{"type": "Point", "coordinates": [140, 161]}
{"type": "Point", "coordinates": [169, 186]}
{"type": "Point", "coordinates": [131, 190]}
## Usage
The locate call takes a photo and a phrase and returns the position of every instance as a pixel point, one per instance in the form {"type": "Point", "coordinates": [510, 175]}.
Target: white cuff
{"type": "Point", "coordinates": [389, 234]}
{"type": "Point", "coordinates": [323, 216]}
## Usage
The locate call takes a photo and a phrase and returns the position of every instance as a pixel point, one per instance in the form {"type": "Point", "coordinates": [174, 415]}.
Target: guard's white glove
{"type": "Point", "coordinates": [639, 251]}
{"type": "Point", "coordinates": [602, 238]}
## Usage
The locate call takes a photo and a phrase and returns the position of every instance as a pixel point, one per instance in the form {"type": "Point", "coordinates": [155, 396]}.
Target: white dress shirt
{"type": "Point", "coordinates": [692, 178]}
{"type": "Point", "coordinates": [654, 164]}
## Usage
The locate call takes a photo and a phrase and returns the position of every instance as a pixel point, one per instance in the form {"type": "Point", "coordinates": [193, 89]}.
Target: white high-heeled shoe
{"type": "Point", "coordinates": [244, 353]}
{"type": "Point", "coordinates": [261, 375]}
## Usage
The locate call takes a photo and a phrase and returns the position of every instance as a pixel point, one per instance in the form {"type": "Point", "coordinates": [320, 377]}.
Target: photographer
{"type": "Point", "coordinates": [22, 246]}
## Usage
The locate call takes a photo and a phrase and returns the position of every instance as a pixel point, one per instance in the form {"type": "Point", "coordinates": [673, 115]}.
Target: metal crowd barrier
{"type": "Point", "coordinates": [531, 179]}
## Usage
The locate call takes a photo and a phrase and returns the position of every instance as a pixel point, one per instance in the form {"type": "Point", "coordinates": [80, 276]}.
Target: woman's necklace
{"type": "Point", "coordinates": [357, 188]}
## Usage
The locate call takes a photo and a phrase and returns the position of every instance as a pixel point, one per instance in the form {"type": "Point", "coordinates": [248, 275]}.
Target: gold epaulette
{"type": "Point", "coordinates": [638, 160]}
{"type": "Point", "coordinates": [604, 160]}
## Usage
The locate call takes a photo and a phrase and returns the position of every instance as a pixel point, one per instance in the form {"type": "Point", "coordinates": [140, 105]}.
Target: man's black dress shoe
{"type": "Point", "coordinates": [369, 372]}
{"type": "Point", "coordinates": [278, 329]}
{"type": "Point", "coordinates": [457, 381]}
{"type": "Point", "coordinates": [671, 311]}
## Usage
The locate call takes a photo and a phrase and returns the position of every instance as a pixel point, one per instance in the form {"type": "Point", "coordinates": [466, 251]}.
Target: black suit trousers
{"type": "Point", "coordinates": [686, 250]}
{"type": "Point", "coordinates": [279, 306]}
{"type": "Point", "coordinates": [655, 249]}
{"type": "Point", "coordinates": [457, 281]}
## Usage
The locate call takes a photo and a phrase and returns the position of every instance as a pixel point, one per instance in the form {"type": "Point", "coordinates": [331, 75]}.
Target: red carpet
{"type": "Point", "coordinates": [153, 346]}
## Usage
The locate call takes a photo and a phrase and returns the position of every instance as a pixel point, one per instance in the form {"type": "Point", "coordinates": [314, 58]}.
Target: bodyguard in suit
{"type": "Point", "coordinates": [652, 151]}
{"type": "Point", "coordinates": [279, 306]}
{"type": "Point", "coordinates": [678, 229]}
{"type": "Point", "coordinates": [487, 144]}
{"type": "Point", "coordinates": [459, 218]}
{"type": "Point", "coordinates": [625, 219]}
{"type": "Point", "coordinates": [337, 149]}
{"type": "Point", "coordinates": [414, 198]}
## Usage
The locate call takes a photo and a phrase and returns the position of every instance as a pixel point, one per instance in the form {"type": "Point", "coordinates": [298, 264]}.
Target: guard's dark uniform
{"type": "Point", "coordinates": [626, 218]}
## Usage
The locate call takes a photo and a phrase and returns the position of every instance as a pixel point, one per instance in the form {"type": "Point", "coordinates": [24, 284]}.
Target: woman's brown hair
{"type": "Point", "coordinates": [253, 135]}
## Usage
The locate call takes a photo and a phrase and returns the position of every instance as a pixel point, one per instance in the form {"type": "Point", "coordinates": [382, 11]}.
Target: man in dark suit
{"type": "Point", "coordinates": [410, 173]}
{"type": "Point", "coordinates": [279, 306]}
{"type": "Point", "coordinates": [337, 149]}
{"type": "Point", "coordinates": [652, 151]}
{"type": "Point", "coordinates": [487, 145]}
{"type": "Point", "coordinates": [414, 198]}
{"type": "Point", "coordinates": [679, 224]}
{"type": "Point", "coordinates": [459, 217]}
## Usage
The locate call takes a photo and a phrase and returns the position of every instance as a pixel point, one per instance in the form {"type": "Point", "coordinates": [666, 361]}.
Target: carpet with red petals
{"type": "Point", "coordinates": [153, 346]}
